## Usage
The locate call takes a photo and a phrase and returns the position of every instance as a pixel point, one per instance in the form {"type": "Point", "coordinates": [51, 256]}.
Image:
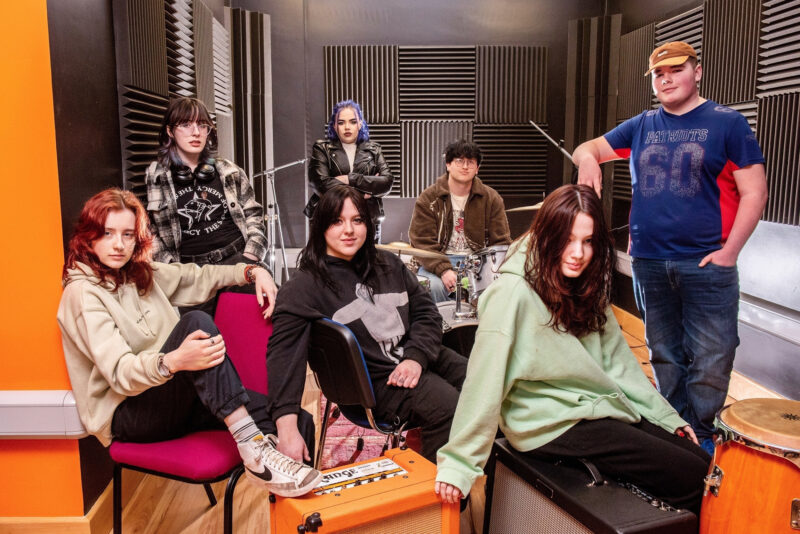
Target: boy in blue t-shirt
{"type": "Point", "coordinates": [699, 189]}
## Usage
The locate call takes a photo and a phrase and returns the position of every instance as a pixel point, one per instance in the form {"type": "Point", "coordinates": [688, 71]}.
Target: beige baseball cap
{"type": "Point", "coordinates": [672, 53]}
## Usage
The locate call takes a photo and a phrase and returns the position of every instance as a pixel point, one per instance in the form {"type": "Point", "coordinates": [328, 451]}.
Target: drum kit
{"type": "Point", "coordinates": [753, 483]}
{"type": "Point", "coordinates": [479, 270]}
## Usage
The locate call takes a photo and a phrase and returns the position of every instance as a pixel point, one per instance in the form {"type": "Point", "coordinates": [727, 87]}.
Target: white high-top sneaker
{"type": "Point", "coordinates": [274, 470]}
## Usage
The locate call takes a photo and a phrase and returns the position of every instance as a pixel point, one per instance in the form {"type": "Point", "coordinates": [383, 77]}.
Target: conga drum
{"type": "Point", "coordinates": [753, 485]}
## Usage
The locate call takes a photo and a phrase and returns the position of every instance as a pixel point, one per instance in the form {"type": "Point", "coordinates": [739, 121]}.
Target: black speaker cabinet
{"type": "Point", "coordinates": [529, 495]}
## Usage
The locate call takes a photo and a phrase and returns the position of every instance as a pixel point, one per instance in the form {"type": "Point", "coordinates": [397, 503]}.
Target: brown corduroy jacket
{"type": "Point", "coordinates": [485, 221]}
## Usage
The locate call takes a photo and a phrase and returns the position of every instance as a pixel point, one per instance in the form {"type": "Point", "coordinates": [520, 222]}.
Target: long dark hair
{"type": "Point", "coordinates": [330, 130]}
{"type": "Point", "coordinates": [92, 225]}
{"type": "Point", "coordinates": [312, 257]}
{"type": "Point", "coordinates": [180, 110]}
{"type": "Point", "coordinates": [578, 305]}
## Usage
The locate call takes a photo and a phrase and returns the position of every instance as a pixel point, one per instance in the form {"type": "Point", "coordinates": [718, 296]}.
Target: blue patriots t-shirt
{"type": "Point", "coordinates": [684, 194]}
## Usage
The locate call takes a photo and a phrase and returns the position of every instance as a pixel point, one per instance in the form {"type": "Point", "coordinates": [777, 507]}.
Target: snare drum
{"type": "Point", "coordinates": [754, 480]}
{"type": "Point", "coordinates": [482, 268]}
{"type": "Point", "coordinates": [458, 333]}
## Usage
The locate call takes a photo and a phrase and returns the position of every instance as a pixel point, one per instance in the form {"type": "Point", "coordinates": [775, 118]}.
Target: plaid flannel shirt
{"type": "Point", "coordinates": [162, 208]}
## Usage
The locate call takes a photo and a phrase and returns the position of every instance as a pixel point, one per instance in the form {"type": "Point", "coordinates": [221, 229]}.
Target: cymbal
{"type": "Point", "coordinates": [398, 247]}
{"type": "Point", "coordinates": [526, 208]}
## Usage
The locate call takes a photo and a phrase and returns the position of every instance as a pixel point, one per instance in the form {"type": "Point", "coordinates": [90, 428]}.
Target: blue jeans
{"type": "Point", "coordinates": [438, 292]}
{"type": "Point", "coordinates": [691, 326]}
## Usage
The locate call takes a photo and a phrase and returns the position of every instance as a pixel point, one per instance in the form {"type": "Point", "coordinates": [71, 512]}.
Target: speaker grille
{"type": "Point", "coordinates": [516, 506]}
{"type": "Point", "coordinates": [427, 519]}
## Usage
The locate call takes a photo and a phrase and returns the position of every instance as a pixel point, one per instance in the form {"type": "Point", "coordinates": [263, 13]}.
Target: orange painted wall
{"type": "Point", "coordinates": [41, 477]}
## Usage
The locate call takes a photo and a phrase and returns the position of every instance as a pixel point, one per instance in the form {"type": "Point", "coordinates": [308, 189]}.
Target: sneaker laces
{"type": "Point", "coordinates": [276, 459]}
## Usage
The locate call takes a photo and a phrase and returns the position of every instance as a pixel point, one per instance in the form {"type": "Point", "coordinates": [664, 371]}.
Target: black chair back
{"type": "Point", "coordinates": [336, 358]}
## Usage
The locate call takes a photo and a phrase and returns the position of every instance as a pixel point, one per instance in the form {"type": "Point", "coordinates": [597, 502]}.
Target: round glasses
{"type": "Point", "coordinates": [463, 162]}
{"type": "Point", "coordinates": [188, 127]}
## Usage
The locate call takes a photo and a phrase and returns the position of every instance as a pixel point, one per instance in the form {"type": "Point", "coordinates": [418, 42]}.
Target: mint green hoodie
{"type": "Point", "coordinates": [537, 383]}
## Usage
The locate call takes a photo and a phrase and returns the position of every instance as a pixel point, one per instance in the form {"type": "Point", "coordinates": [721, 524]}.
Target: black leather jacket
{"type": "Point", "coordinates": [370, 173]}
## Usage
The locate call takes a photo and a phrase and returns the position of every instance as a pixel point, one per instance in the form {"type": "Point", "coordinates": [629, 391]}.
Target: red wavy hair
{"type": "Point", "coordinates": [91, 227]}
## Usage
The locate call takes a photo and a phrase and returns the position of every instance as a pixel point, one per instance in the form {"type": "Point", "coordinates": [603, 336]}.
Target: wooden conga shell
{"type": "Point", "coordinates": [759, 481]}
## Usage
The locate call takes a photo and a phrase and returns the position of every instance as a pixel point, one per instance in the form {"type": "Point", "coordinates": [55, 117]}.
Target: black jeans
{"type": "Point", "coordinates": [195, 400]}
{"type": "Point", "coordinates": [430, 405]}
{"type": "Point", "coordinates": [665, 465]}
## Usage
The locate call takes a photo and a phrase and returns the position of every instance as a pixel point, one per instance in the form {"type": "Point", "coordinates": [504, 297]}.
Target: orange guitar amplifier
{"type": "Point", "coordinates": [390, 494]}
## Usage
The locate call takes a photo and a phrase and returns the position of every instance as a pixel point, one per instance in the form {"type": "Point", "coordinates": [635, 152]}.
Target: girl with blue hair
{"type": "Point", "coordinates": [347, 156]}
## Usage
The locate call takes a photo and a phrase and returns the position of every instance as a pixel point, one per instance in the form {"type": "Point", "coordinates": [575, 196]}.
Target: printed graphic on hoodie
{"type": "Point", "coordinates": [381, 318]}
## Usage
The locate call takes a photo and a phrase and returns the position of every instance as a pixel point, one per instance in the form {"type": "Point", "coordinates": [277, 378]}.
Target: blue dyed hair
{"type": "Point", "coordinates": [330, 131]}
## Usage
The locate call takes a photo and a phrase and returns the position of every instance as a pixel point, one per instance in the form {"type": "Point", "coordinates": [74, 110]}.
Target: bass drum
{"type": "Point", "coordinates": [457, 333]}
{"type": "Point", "coordinates": [753, 483]}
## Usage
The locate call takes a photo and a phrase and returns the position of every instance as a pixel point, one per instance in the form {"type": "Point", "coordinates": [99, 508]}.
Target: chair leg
{"type": "Point", "coordinates": [322, 434]}
{"type": "Point", "coordinates": [228, 505]}
{"type": "Point", "coordinates": [211, 497]}
{"type": "Point", "coordinates": [117, 498]}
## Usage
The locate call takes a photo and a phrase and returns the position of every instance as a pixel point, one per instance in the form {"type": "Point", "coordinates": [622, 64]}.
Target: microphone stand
{"type": "Point", "coordinates": [557, 145]}
{"type": "Point", "coordinates": [273, 216]}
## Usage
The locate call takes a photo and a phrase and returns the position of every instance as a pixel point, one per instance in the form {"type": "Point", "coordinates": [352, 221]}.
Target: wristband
{"type": "Point", "coordinates": [248, 274]}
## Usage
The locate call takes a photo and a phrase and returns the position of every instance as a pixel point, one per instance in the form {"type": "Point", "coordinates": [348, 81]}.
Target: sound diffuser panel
{"type": "Point", "coordinates": [635, 90]}
{"type": "Point", "coordinates": [779, 136]}
{"type": "Point", "coordinates": [366, 74]}
{"type": "Point", "coordinates": [180, 48]}
{"type": "Point", "coordinates": [390, 139]}
{"type": "Point", "coordinates": [514, 158]}
{"type": "Point", "coordinates": [436, 83]}
{"type": "Point", "coordinates": [511, 84]}
{"type": "Point", "coordinates": [141, 113]}
{"type": "Point", "coordinates": [423, 147]}
{"type": "Point", "coordinates": [779, 57]}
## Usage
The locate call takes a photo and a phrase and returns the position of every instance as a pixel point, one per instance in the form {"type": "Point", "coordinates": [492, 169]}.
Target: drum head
{"type": "Point", "coordinates": [767, 421]}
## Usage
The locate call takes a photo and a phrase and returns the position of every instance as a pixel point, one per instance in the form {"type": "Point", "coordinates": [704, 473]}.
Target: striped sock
{"type": "Point", "coordinates": [245, 430]}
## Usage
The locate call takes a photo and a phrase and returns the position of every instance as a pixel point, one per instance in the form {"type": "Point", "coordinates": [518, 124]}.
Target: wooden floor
{"type": "Point", "coordinates": [164, 506]}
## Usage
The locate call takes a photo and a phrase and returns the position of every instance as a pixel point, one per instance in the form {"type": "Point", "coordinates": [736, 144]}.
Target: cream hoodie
{"type": "Point", "coordinates": [112, 339]}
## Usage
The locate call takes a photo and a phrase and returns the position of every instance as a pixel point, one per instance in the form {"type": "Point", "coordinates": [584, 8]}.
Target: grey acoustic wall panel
{"type": "Point", "coordinates": [366, 74]}
{"type": "Point", "coordinates": [223, 98]}
{"type": "Point", "coordinates": [390, 139]}
{"type": "Point", "coordinates": [139, 34]}
{"type": "Point", "coordinates": [511, 84]}
{"type": "Point", "coordinates": [635, 91]}
{"type": "Point", "coordinates": [141, 113]}
{"type": "Point", "coordinates": [730, 34]}
{"type": "Point", "coordinates": [779, 136]}
{"type": "Point", "coordinates": [779, 57]}
{"type": "Point", "coordinates": [423, 147]}
{"type": "Point", "coordinates": [514, 158]}
{"type": "Point", "coordinates": [204, 53]}
{"type": "Point", "coordinates": [436, 82]}
{"type": "Point", "coordinates": [180, 47]}
{"type": "Point", "coordinates": [688, 27]}
{"type": "Point", "coordinates": [250, 37]}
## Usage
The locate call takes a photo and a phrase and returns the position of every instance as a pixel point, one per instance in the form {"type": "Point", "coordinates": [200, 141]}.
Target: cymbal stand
{"type": "Point", "coordinates": [272, 217]}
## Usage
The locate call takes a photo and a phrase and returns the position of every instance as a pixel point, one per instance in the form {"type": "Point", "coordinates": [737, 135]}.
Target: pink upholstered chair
{"type": "Point", "coordinates": [206, 456]}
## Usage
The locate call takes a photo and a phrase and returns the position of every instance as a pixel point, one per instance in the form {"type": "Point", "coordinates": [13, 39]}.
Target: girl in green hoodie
{"type": "Point", "coordinates": [550, 367]}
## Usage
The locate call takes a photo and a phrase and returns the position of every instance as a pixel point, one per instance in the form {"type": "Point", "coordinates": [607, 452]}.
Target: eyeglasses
{"type": "Point", "coordinates": [462, 162]}
{"type": "Point", "coordinates": [188, 127]}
